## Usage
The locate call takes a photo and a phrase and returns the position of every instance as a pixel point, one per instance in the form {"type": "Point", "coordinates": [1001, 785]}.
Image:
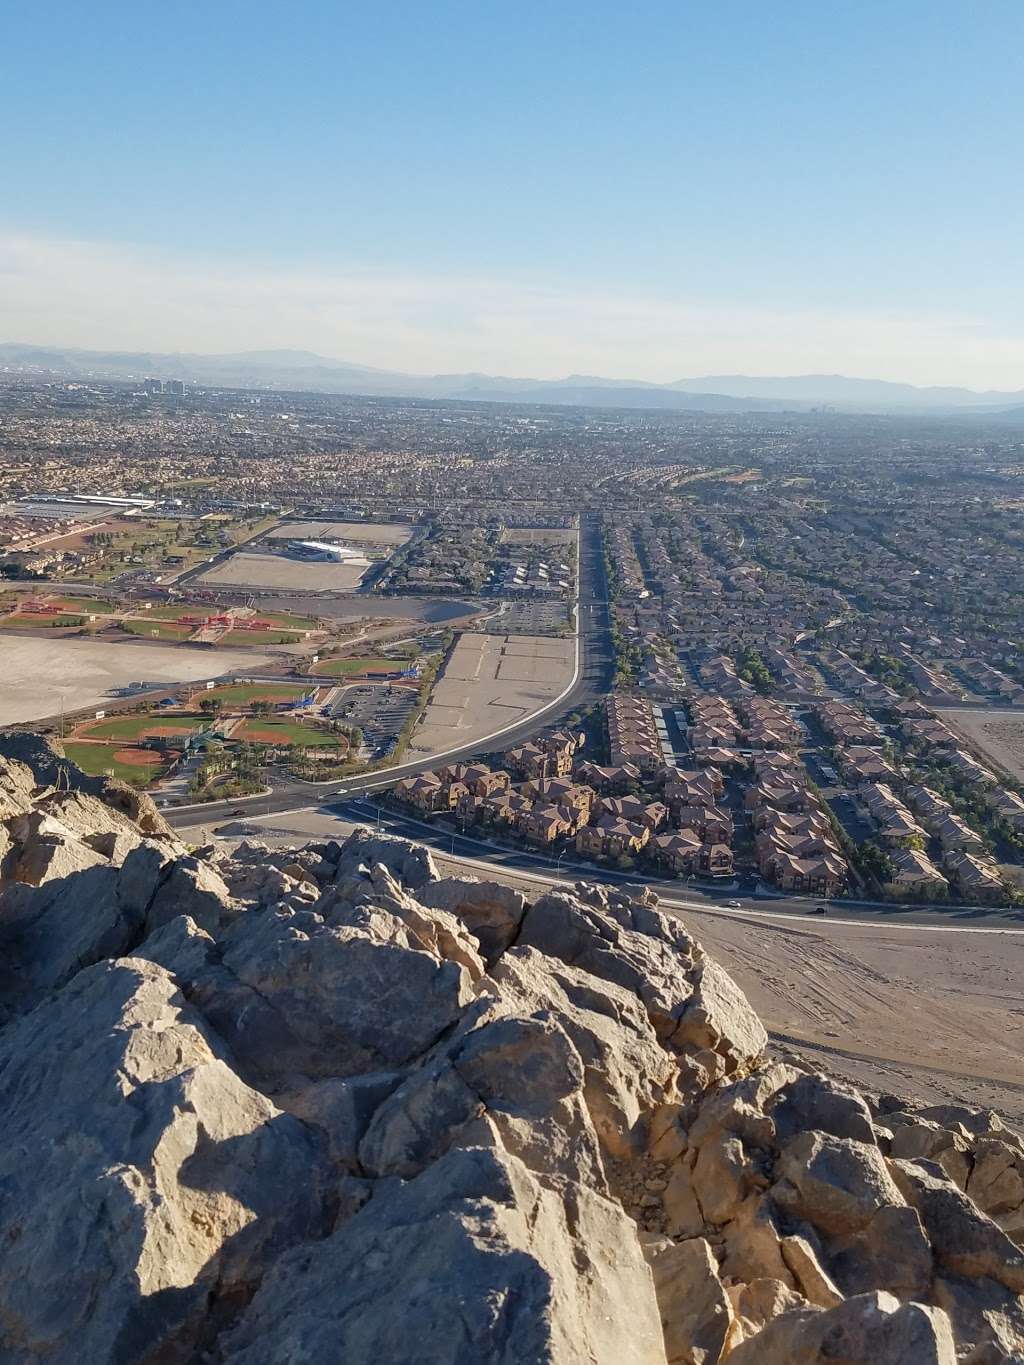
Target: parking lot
{"type": "Point", "coordinates": [379, 710]}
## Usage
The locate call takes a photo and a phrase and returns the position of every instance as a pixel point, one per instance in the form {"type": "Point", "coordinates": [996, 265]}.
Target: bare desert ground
{"type": "Point", "coordinates": [996, 736]}
{"type": "Point", "coordinates": [36, 673]}
{"type": "Point", "coordinates": [490, 681]}
{"type": "Point", "coordinates": [349, 532]}
{"type": "Point", "coordinates": [245, 570]}
{"type": "Point", "coordinates": [912, 1011]}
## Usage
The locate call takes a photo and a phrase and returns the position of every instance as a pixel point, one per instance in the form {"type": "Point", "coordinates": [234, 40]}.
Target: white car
{"type": "Point", "coordinates": [734, 905]}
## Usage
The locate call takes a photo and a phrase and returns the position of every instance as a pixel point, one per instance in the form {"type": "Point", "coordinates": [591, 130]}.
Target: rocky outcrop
{"type": "Point", "coordinates": [323, 1104]}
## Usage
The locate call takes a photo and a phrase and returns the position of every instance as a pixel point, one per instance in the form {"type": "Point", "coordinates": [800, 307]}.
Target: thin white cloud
{"type": "Point", "coordinates": [97, 295]}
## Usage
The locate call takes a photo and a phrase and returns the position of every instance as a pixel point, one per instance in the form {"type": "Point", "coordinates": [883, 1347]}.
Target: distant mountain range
{"type": "Point", "coordinates": [306, 372]}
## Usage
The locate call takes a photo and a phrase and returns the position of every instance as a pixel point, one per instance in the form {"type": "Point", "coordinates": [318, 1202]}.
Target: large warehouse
{"type": "Point", "coordinates": [321, 549]}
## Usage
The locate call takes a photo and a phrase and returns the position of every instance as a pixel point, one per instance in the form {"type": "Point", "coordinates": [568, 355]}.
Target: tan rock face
{"type": "Point", "coordinates": [163, 1172]}
{"type": "Point", "coordinates": [322, 1104]}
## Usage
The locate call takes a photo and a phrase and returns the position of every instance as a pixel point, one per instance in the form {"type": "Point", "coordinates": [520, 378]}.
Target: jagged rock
{"type": "Point", "coordinates": [719, 1018]}
{"type": "Point", "coordinates": [965, 1241]}
{"type": "Point", "coordinates": [474, 1260]}
{"type": "Point", "coordinates": [871, 1329]}
{"type": "Point", "coordinates": [759, 1302]}
{"type": "Point", "coordinates": [890, 1252]}
{"type": "Point", "coordinates": [491, 911]}
{"type": "Point", "coordinates": [561, 1085]}
{"type": "Point", "coordinates": [187, 886]}
{"type": "Point", "coordinates": [342, 1108]}
{"type": "Point", "coordinates": [412, 864]}
{"type": "Point", "coordinates": [683, 1216]}
{"type": "Point", "coordinates": [988, 1320]}
{"type": "Point", "coordinates": [996, 1182]}
{"type": "Point", "coordinates": [835, 1183]}
{"type": "Point", "coordinates": [49, 768]}
{"type": "Point", "coordinates": [141, 1179]}
{"type": "Point", "coordinates": [814, 1281]}
{"type": "Point", "coordinates": [363, 995]}
{"type": "Point", "coordinates": [720, 1179]}
{"type": "Point", "coordinates": [635, 948]}
{"type": "Point", "coordinates": [627, 1073]}
{"type": "Point", "coordinates": [753, 1244]}
{"type": "Point", "coordinates": [51, 852]}
{"type": "Point", "coordinates": [697, 1316]}
{"type": "Point", "coordinates": [51, 931]}
{"type": "Point", "coordinates": [819, 1102]}
{"type": "Point", "coordinates": [925, 1139]}
{"type": "Point", "coordinates": [524, 1074]}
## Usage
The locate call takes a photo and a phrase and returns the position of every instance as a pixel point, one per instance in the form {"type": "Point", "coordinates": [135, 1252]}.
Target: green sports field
{"type": "Point", "coordinates": [260, 731]}
{"type": "Point", "coordinates": [240, 694]}
{"type": "Point", "coordinates": [157, 630]}
{"type": "Point", "coordinates": [98, 759]}
{"type": "Point", "coordinates": [133, 728]}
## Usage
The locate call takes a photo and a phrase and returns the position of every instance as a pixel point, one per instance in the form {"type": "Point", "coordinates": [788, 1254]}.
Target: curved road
{"type": "Point", "coordinates": [597, 663]}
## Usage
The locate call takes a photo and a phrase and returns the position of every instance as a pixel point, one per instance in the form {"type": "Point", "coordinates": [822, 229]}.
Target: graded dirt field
{"type": "Point", "coordinates": [898, 1009]}
{"type": "Point", "coordinates": [348, 532]}
{"type": "Point", "coordinates": [36, 673]}
{"type": "Point", "coordinates": [538, 535]}
{"type": "Point", "coordinates": [358, 667]}
{"type": "Point", "coordinates": [996, 736]}
{"type": "Point", "coordinates": [488, 682]}
{"type": "Point", "coordinates": [247, 570]}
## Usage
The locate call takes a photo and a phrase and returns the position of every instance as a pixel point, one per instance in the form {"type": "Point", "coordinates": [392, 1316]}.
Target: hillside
{"type": "Point", "coordinates": [306, 372]}
{"type": "Point", "coordinates": [324, 1104]}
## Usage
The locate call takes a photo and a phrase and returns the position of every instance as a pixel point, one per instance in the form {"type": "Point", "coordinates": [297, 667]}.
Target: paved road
{"type": "Point", "coordinates": [597, 663]}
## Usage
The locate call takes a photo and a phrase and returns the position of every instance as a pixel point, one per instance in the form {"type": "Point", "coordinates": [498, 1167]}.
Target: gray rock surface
{"type": "Point", "coordinates": [474, 1260]}
{"type": "Point", "coordinates": [321, 1104]}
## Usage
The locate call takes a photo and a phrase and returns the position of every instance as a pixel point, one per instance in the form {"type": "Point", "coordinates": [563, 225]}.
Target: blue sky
{"type": "Point", "coordinates": [650, 189]}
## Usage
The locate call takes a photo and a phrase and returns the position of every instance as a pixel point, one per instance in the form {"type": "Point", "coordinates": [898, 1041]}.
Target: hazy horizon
{"type": "Point", "coordinates": [670, 192]}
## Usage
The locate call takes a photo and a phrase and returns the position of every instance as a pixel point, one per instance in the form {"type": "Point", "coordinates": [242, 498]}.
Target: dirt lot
{"type": "Point", "coordinates": [488, 682]}
{"type": "Point", "coordinates": [538, 535]}
{"type": "Point", "coordinates": [37, 672]}
{"type": "Point", "coordinates": [245, 570]}
{"type": "Point", "coordinates": [996, 736]}
{"type": "Point", "coordinates": [905, 1010]}
{"type": "Point", "coordinates": [351, 532]}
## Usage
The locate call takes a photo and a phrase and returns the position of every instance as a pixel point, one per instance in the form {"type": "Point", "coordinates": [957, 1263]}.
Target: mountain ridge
{"type": "Point", "coordinates": [283, 369]}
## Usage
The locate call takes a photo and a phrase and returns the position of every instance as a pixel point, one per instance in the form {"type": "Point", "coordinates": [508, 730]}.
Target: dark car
{"type": "Point", "coordinates": [819, 910]}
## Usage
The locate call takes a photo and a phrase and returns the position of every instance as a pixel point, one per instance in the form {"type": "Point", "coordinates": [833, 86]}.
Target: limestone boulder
{"type": "Point", "coordinates": [871, 1329]}
{"type": "Point", "coordinates": [628, 944]}
{"type": "Point", "coordinates": [491, 911]}
{"type": "Point", "coordinates": [889, 1252]}
{"type": "Point", "coordinates": [474, 1260]}
{"type": "Point", "coordinates": [987, 1318]}
{"type": "Point", "coordinates": [412, 864]}
{"type": "Point", "coordinates": [813, 1101]}
{"type": "Point", "coordinates": [627, 1073]}
{"type": "Point", "coordinates": [361, 995]}
{"type": "Point", "coordinates": [836, 1184]}
{"type": "Point", "coordinates": [697, 1316]}
{"type": "Point", "coordinates": [142, 1181]}
{"type": "Point", "coordinates": [718, 1017]}
{"type": "Point", "coordinates": [965, 1241]}
{"type": "Point", "coordinates": [524, 1074]}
